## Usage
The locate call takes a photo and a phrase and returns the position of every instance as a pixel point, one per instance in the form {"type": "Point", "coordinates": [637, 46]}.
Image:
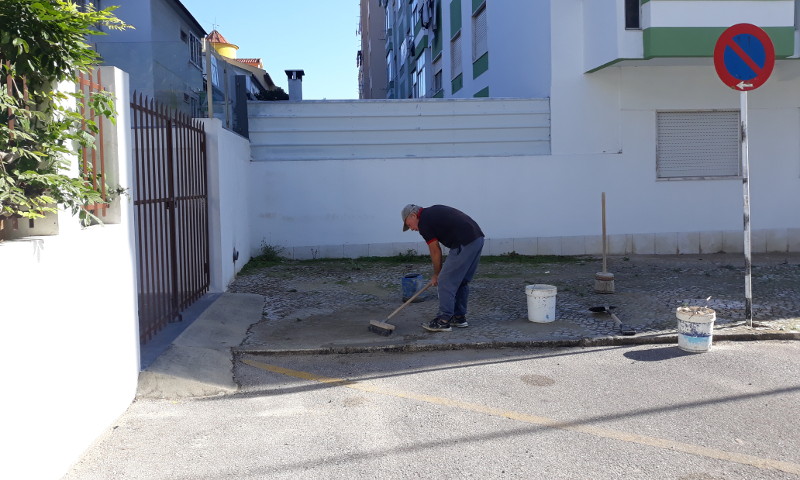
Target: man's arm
{"type": "Point", "coordinates": [436, 258]}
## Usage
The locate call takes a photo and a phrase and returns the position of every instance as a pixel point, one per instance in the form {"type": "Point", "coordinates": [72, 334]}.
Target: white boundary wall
{"type": "Point", "coordinates": [528, 205]}
{"type": "Point", "coordinates": [229, 211]}
{"type": "Point", "coordinates": [70, 356]}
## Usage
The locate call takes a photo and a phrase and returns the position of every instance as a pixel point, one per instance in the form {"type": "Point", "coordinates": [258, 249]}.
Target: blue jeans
{"type": "Point", "coordinates": [457, 272]}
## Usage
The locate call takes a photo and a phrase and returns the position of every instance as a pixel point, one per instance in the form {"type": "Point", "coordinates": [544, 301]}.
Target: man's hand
{"type": "Point", "coordinates": [436, 259]}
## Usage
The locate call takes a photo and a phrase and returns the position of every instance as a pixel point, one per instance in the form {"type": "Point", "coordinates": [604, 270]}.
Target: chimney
{"type": "Point", "coordinates": [295, 84]}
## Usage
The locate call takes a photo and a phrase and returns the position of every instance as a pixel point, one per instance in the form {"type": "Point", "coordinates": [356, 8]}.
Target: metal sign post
{"type": "Point", "coordinates": [748, 285]}
{"type": "Point", "coordinates": [744, 57]}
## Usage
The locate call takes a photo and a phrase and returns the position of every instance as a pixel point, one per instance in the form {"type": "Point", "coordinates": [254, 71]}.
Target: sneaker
{"type": "Point", "coordinates": [438, 324]}
{"type": "Point", "coordinates": [459, 321]}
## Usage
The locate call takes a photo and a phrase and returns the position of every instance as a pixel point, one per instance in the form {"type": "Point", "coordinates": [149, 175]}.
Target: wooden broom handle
{"type": "Point", "coordinates": [409, 300]}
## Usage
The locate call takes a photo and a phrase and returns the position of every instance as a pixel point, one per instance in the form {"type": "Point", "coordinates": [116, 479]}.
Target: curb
{"type": "Point", "coordinates": [580, 342]}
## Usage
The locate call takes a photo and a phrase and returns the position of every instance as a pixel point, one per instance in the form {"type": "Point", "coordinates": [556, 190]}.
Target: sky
{"type": "Point", "coordinates": [317, 36]}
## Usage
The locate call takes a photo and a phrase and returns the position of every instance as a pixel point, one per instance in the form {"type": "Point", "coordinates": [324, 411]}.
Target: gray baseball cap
{"type": "Point", "coordinates": [408, 210]}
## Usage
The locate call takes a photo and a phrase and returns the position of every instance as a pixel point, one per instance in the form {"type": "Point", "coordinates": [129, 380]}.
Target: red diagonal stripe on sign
{"type": "Point", "coordinates": [744, 56]}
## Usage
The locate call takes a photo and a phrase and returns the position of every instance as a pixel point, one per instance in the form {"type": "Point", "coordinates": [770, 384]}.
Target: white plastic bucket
{"type": "Point", "coordinates": [695, 328]}
{"type": "Point", "coordinates": [541, 303]}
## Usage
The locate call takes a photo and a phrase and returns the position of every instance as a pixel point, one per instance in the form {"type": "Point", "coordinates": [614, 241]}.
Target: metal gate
{"type": "Point", "coordinates": [171, 213]}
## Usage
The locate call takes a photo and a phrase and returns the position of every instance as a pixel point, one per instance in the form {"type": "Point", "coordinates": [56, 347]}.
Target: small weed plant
{"type": "Point", "coordinates": [269, 256]}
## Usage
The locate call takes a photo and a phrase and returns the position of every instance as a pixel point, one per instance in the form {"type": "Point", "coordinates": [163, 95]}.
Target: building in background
{"type": "Point", "coordinates": [495, 48]}
{"type": "Point", "coordinates": [371, 58]}
{"type": "Point", "coordinates": [166, 60]}
{"type": "Point", "coordinates": [464, 48]}
{"type": "Point", "coordinates": [163, 53]}
{"type": "Point", "coordinates": [257, 80]}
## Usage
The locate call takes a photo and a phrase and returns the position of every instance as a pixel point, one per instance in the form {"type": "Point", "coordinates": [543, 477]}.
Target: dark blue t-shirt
{"type": "Point", "coordinates": [447, 225]}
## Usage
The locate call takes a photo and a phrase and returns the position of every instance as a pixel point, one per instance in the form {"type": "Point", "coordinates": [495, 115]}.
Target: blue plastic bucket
{"type": "Point", "coordinates": [411, 284]}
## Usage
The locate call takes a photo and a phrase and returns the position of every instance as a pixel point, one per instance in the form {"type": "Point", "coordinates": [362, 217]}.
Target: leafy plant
{"type": "Point", "coordinates": [43, 43]}
{"type": "Point", "coordinates": [269, 256]}
{"type": "Point", "coordinates": [272, 253]}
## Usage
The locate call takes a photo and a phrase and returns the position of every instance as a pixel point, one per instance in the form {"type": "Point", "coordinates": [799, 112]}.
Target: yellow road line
{"type": "Point", "coordinates": [744, 459]}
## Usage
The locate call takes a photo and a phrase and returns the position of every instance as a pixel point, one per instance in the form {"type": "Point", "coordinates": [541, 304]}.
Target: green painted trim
{"type": "Point", "coordinates": [476, 4]}
{"type": "Point", "coordinates": [611, 63]}
{"type": "Point", "coordinates": [421, 47]}
{"type": "Point", "coordinates": [455, 17]}
{"type": "Point", "coordinates": [457, 83]}
{"type": "Point", "coordinates": [480, 65]}
{"type": "Point", "coordinates": [700, 41]}
{"type": "Point", "coordinates": [482, 93]}
{"type": "Point", "coordinates": [439, 94]}
{"type": "Point", "coordinates": [417, 26]}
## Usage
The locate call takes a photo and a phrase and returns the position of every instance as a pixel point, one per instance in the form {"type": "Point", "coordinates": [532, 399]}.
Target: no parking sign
{"type": "Point", "coordinates": [744, 57]}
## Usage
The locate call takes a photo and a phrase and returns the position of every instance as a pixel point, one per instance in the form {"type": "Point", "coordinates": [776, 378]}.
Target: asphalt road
{"type": "Point", "coordinates": [641, 412]}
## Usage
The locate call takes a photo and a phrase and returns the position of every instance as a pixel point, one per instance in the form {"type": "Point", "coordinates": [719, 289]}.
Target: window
{"type": "Point", "coordinates": [455, 56]}
{"type": "Point", "coordinates": [479, 37]}
{"type": "Point", "coordinates": [632, 14]}
{"type": "Point", "coordinates": [215, 72]}
{"type": "Point", "coordinates": [390, 65]}
{"type": "Point", "coordinates": [389, 17]}
{"type": "Point", "coordinates": [698, 144]}
{"type": "Point", "coordinates": [420, 87]}
{"type": "Point", "coordinates": [437, 75]}
{"type": "Point", "coordinates": [195, 50]}
{"type": "Point", "coordinates": [408, 43]}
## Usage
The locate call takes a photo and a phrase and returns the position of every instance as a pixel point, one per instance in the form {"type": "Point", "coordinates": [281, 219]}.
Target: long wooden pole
{"type": "Point", "coordinates": [605, 242]}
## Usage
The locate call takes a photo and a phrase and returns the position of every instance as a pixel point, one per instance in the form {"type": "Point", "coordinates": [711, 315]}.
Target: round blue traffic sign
{"type": "Point", "coordinates": [744, 57]}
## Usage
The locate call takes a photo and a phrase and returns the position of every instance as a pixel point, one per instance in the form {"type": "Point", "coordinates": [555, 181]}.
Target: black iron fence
{"type": "Point", "coordinates": [171, 212]}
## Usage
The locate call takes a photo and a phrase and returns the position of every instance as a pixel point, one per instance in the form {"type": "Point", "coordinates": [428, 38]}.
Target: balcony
{"type": "Point", "coordinates": [676, 32]}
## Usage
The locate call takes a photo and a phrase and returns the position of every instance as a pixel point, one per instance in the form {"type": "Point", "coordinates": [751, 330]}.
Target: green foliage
{"type": "Point", "coordinates": [270, 255]}
{"type": "Point", "coordinates": [42, 43]}
{"type": "Point", "coordinates": [272, 95]}
{"type": "Point", "coordinates": [514, 257]}
{"type": "Point", "coordinates": [409, 256]}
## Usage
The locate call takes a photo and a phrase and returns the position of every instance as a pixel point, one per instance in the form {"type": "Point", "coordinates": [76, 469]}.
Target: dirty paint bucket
{"type": "Point", "coordinates": [411, 284]}
{"type": "Point", "coordinates": [541, 303]}
{"type": "Point", "coordinates": [695, 328]}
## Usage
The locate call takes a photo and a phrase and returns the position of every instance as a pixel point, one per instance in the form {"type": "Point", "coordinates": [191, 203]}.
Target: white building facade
{"type": "Point", "coordinates": [498, 48]}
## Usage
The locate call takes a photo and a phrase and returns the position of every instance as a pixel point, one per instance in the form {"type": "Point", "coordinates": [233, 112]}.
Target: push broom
{"type": "Point", "coordinates": [385, 328]}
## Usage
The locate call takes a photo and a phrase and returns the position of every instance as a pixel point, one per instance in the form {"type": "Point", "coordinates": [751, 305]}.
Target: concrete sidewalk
{"type": "Point", "coordinates": [199, 361]}
{"type": "Point", "coordinates": [326, 308]}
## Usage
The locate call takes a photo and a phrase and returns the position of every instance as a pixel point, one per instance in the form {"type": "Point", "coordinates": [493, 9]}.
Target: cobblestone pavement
{"type": "Point", "coordinates": [325, 306]}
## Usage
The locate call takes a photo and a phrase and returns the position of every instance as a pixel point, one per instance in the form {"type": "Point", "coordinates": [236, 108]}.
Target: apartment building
{"type": "Point", "coordinates": [461, 48]}
{"type": "Point", "coordinates": [498, 48]}
{"type": "Point", "coordinates": [370, 59]}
